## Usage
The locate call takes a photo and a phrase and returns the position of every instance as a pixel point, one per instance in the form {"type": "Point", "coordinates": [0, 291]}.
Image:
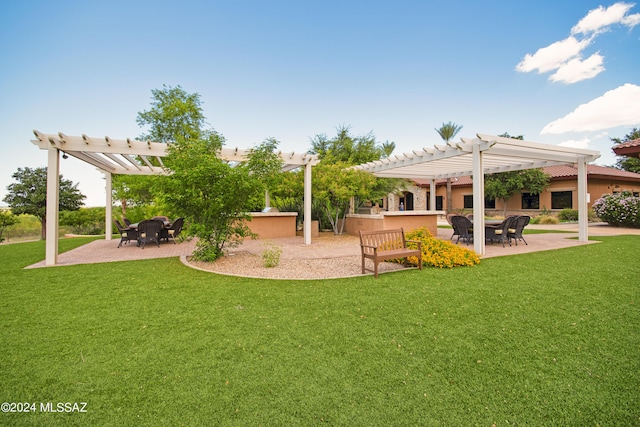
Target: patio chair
{"type": "Point", "coordinates": [126, 221]}
{"type": "Point", "coordinates": [464, 228]}
{"type": "Point", "coordinates": [516, 231]}
{"type": "Point", "coordinates": [501, 232]}
{"type": "Point", "coordinates": [149, 231]}
{"type": "Point", "coordinates": [455, 232]}
{"type": "Point", "coordinates": [173, 231]}
{"type": "Point", "coordinates": [126, 234]}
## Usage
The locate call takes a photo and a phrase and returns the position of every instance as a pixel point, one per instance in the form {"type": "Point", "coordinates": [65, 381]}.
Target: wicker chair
{"type": "Point", "coordinates": [501, 232]}
{"type": "Point", "coordinates": [463, 227]}
{"type": "Point", "coordinates": [126, 234]}
{"type": "Point", "coordinates": [455, 232]}
{"type": "Point", "coordinates": [173, 231]}
{"type": "Point", "coordinates": [149, 231]}
{"type": "Point", "coordinates": [126, 221]}
{"type": "Point", "coordinates": [516, 230]}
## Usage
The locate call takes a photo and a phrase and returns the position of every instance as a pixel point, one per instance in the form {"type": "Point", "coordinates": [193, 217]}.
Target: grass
{"type": "Point", "coordinates": [549, 338]}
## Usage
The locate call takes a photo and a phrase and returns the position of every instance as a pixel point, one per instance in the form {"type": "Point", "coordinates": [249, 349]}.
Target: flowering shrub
{"type": "Point", "coordinates": [621, 210]}
{"type": "Point", "coordinates": [439, 253]}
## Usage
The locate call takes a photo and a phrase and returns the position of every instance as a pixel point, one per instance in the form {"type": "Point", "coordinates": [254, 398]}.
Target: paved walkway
{"type": "Point", "coordinates": [325, 246]}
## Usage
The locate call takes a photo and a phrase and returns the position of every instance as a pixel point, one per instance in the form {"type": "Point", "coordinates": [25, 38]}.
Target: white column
{"type": "Point", "coordinates": [478, 200]}
{"type": "Point", "coordinates": [306, 225]}
{"type": "Point", "coordinates": [432, 195]}
{"type": "Point", "coordinates": [53, 197]}
{"type": "Point", "coordinates": [108, 222]}
{"type": "Point", "coordinates": [583, 217]}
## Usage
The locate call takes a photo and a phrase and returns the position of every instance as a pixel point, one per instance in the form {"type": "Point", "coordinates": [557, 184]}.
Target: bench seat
{"type": "Point", "coordinates": [383, 245]}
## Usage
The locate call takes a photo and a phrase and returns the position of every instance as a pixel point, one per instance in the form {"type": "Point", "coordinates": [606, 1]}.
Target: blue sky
{"type": "Point", "coordinates": [557, 72]}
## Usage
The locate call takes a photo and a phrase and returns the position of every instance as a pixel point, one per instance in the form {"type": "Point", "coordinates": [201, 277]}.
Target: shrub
{"type": "Point", "coordinates": [271, 255]}
{"type": "Point", "coordinates": [544, 219]}
{"type": "Point", "coordinates": [568, 215]}
{"type": "Point", "coordinates": [439, 253]}
{"type": "Point", "coordinates": [620, 210]}
{"type": "Point", "coordinates": [84, 220]}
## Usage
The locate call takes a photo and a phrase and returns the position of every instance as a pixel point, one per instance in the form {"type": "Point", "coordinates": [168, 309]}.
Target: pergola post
{"type": "Point", "coordinates": [108, 226]}
{"type": "Point", "coordinates": [478, 200]}
{"type": "Point", "coordinates": [432, 195]}
{"type": "Point", "coordinates": [53, 202]}
{"type": "Point", "coordinates": [306, 225]}
{"type": "Point", "coordinates": [583, 218]}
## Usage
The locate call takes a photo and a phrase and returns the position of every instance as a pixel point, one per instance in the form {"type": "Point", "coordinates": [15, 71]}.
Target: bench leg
{"type": "Point", "coordinates": [375, 269]}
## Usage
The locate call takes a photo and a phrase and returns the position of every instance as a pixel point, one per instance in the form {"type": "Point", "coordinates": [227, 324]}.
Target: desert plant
{"type": "Point", "coordinates": [271, 255]}
{"type": "Point", "coordinates": [545, 219]}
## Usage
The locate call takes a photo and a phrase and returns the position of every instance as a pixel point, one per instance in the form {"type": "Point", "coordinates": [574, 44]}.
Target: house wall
{"type": "Point", "coordinates": [596, 187]}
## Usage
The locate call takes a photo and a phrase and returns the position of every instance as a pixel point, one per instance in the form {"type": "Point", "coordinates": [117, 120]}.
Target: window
{"type": "Point", "coordinates": [561, 200]}
{"type": "Point", "coordinates": [468, 201]}
{"type": "Point", "coordinates": [490, 203]}
{"type": "Point", "coordinates": [530, 201]}
{"type": "Point", "coordinates": [438, 202]}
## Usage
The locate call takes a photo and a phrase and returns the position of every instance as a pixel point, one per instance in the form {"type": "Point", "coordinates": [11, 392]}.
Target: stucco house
{"type": "Point", "coordinates": [561, 193]}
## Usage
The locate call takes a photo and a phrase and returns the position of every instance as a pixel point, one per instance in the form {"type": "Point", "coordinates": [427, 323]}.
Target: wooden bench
{"type": "Point", "coordinates": [382, 245]}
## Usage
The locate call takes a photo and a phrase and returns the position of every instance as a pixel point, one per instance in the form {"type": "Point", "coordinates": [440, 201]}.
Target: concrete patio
{"type": "Point", "coordinates": [326, 246]}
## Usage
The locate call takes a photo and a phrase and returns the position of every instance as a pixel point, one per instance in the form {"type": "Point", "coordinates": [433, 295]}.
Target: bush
{"type": "Point", "coordinates": [620, 210]}
{"type": "Point", "coordinates": [544, 219]}
{"type": "Point", "coordinates": [271, 255]}
{"type": "Point", "coordinates": [439, 253]}
{"type": "Point", "coordinates": [84, 220]}
{"type": "Point", "coordinates": [568, 215]}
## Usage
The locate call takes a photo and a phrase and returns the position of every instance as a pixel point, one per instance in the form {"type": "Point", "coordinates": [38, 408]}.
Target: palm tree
{"type": "Point", "coordinates": [447, 132]}
{"type": "Point", "coordinates": [388, 147]}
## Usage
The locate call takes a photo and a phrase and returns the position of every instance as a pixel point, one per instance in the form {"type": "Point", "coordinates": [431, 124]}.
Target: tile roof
{"type": "Point", "coordinates": [628, 148]}
{"type": "Point", "coordinates": [556, 172]}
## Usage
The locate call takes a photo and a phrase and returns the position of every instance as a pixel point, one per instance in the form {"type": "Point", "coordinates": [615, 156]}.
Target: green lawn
{"type": "Point", "coordinates": [543, 339]}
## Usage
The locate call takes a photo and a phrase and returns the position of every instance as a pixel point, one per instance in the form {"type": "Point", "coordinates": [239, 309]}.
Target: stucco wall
{"type": "Point", "coordinates": [273, 224]}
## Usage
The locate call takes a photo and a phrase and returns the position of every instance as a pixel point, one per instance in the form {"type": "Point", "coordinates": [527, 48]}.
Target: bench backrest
{"type": "Point", "coordinates": [382, 239]}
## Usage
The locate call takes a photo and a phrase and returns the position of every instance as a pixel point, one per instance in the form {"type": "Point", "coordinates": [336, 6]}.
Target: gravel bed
{"type": "Point", "coordinates": [245, 264]}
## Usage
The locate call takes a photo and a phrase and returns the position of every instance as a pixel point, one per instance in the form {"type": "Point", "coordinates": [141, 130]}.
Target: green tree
{"type": "Point", "coordinates": [388, 147]}
{"type": "Point", "coordinates": [29, 195]}
{"type": "Point", "coordinates": [335, 185]}
{"type": "Point", "coordinates": [626, 163]}
{"type": "Point", "coordinates": [84, 220]}
{"type": "Point", "coordinates": [266, 166]}
{"type": "Point", "coordinates": [7, 219]}
{"type": "Point", "coordinates": [211, 193]}
{"type": "Point", "coordinates": [505, 185]}
{"type": "Point", "coordinates": [174, 115]}
{"type": "Point", "coordinates": [346, 148]}
{"type": "Point", "coordinates": [447, 132]}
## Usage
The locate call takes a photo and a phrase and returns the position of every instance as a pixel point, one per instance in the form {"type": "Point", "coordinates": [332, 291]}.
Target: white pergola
{"type": "Point", "coordinates": [482, 155]}
{"type": "Point", "coordinates": [117, 156]}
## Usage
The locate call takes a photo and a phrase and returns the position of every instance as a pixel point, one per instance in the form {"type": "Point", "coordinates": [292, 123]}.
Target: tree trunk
{"type": "Point", "coordinates": [43, 229]}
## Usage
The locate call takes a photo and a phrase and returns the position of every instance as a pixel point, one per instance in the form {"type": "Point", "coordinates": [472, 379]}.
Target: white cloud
{"type": "Point", "coordinates": [577, 69]}
{"type": "Point", "coordinates": [598, 20]}
{"type": "Point", "coordinates": [565, 56]}
{"type": "Point", "coordinates": [553, 56]}
{"type": "Point", "coordinates": [617, 107]}
{"type": "Point", "coordinates": [580, 143]}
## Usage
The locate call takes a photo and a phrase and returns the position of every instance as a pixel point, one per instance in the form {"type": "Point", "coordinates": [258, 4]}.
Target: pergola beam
{"type": "Point", "coordinates": [478, 156]}
{"type": "Point", "coordinates": [118, 156]}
